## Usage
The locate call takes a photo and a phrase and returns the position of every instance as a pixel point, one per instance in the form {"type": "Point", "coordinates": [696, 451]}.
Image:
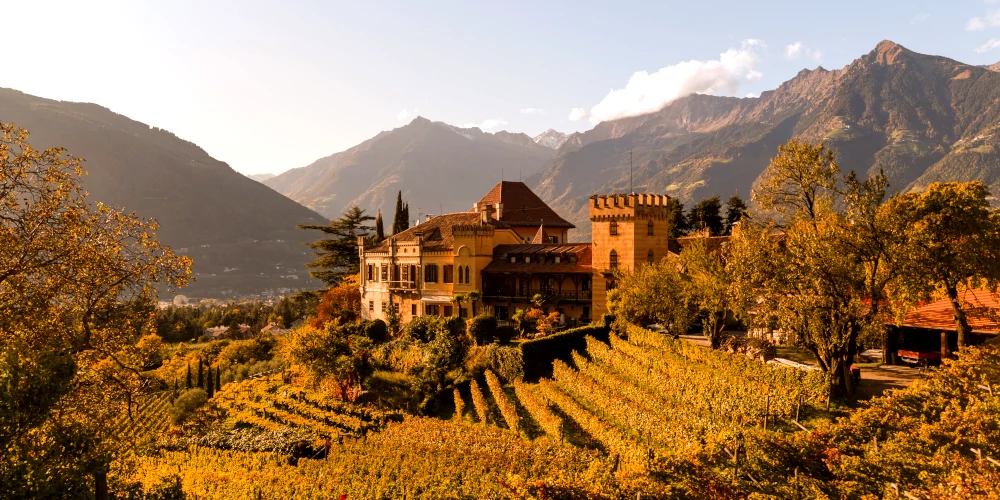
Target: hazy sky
{"type": "Point", "coordinates": [268, 86]}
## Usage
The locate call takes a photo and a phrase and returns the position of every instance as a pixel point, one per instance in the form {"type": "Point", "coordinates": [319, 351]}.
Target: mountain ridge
{"type": "Point", "coordinates": [919, 117]}
{"type": "Point", "coordinates": [424, 159]}
{"type": "Point", "coordinates": [206, 209]}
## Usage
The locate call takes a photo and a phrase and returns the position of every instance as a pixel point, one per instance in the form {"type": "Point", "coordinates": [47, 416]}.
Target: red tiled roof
{"type": "Point", "coordinates": [502, 253]}
{"type": "Point", "coordinates": [437, 232]}
{"type": "Point", "coordinates": [522, 207]}
{"type": "Point", "coordinates": [939, 315]}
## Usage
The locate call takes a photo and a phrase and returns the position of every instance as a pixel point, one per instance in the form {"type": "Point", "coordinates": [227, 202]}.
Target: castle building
{"type": "Point", "coordinates": [508, 248]}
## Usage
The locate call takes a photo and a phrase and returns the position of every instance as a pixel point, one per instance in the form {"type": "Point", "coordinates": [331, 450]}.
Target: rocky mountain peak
{"type": "Point", "coordinates": [889, 52]}
{"type": "Point", "coordinates": [551, 138]}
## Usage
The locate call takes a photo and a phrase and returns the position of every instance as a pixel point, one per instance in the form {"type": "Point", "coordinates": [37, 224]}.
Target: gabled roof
{"type": "Point", "coordinates": [437, 232]}
{"type": "Point", "coordinates": [522, 207]}
{"type": "Point", "coordinates": [939, 315]}
{"type": "Point", "coordinates": [540, 236]}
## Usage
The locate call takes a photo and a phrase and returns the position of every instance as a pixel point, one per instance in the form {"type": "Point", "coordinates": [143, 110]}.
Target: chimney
{"type": "Point", "coordinates": [486, 214]}
{"type": "Point", "coordinates": [499, 209]}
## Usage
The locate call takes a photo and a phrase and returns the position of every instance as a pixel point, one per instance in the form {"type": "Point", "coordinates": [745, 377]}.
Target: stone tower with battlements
{"type": "Point", "coordinates": [628, 230]}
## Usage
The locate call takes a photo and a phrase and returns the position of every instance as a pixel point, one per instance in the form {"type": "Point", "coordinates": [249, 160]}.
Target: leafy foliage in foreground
{"type": "Point", "coordinates": [418, 458]}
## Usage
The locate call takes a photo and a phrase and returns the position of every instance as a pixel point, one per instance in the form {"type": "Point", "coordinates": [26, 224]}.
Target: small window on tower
{"type": "Point", "coordinates": [613, 260]}
{"type": "Point", "coordinates": [649, 228]}
{"type": "Point", "coordinates": [613, 228]}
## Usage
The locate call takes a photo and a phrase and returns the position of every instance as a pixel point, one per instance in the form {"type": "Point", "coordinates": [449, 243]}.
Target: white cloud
{"type": "Point", "coordinates": [919, 18]}
{"type": "Point", "coordinates": [406, 114]}
{"type": "Point", "coordinates": [532, 111]}
{"type": "Point", "coordinates": [993, 43]}
{"type": "Point", "coordinates": [990, 20]}
{"type": "Point", "coordinates": [648, 93]}
{"type": "Point", "coordinates": [798, 49]}
{"type": "Point", "coordinates": [793, 50]}
{"type": "Point", "coordinates": [577, 114]}
{"type": "Point", "coordinates": [487, 124]}
{"type": "Point", "coordinates": [751, 94]}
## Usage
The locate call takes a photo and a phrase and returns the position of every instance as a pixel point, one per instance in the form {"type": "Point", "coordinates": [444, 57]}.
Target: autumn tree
{"type": "Point", "coordinates": [653, 293]}
{"type": "Point", "coordinates": [337, 254]}
{"type": "Point", "coordinates": [953, 242]}
{"type": "Point", "coordinates": [335, 354]}
{"type": "Point", "coordinates": [340, 304]}
{"type": "Point", "coordinates": [708, 285]}
{"type": "Point", "coordinates": [819, 265]}
{"type": "Point", "coordinates": [76, 295]}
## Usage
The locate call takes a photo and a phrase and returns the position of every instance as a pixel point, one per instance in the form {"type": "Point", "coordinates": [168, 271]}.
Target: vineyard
{"type": "Point", "coordinates": [642, 414]}
{"type": "Point", "coordinates": [418, 458]}
{"type": "Point", "coordinates": [271, 405]}
{"type": "Point", "coordinates": [650, 399]}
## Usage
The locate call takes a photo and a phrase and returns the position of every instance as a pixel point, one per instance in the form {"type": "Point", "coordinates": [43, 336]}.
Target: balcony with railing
{"type": "Point", "coordinates": [524, 294]}
{"type": "Point", "coordinates": [403, 285]}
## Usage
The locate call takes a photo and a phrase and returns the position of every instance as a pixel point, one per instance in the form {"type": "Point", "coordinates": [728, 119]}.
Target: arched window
{"type": "Point", "coordinates": [649, 228]}
{"type": "Point", "coordinates": [467, 280]}
{"type": "Point", "coordinates": [613, 228]}
{"type": "Point", "coordinates": [461, 276]}
{"type": "Point", "coordinates": [613, 260]}
{"type": "Point", "coordinates": [649, 254]}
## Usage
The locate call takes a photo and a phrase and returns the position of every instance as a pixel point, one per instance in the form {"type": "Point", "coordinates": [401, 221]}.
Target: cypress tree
{"type": "Point", "coordinates": [201, 375]}
{"type": "Point", "coordinates": [406, 216]}
{"type": "Point", "coordinates": [175, 384]}
{"type": "Point", "coordinates": [218, 378]}
{"type": "Point", "coordinates": [187, 383]}
{"type": "Point", "coordinates": [210, 385]}
{"type": "Point", "coordinates": [379, 232]}
{"type": "Point", "coordinates": [398, 219]}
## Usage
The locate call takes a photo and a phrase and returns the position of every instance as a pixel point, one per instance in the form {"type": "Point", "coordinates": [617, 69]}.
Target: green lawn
{"type": "Point", "coordinates": [797, 354]}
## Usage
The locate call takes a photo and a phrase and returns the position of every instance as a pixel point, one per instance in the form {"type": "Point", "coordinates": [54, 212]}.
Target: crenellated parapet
{"type": "Point", "coordinates": [621, 207]}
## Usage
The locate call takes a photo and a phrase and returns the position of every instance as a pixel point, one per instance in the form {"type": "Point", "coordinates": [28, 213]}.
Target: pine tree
{"type": "Point", "coordinates": [678, 223]}
{"type": "Point", "coordinates": [201, 375]}
{"type": "Point", "coordinates": [707, 214]}
{"type": "Point", "coordinates": [210, 383]}
{"type": "Point", "coordinates": [379, 231]}
{"type": "Point", "coordinates": [398, 219]}
{"type": "Point", "coordinates": [285, 311]}
{"type": "Point", "coordinates": [187, 383]}
{"type": "Point", "coordinates": [736, 208]}
{"type": "Point", "coordinates": [337, 255]}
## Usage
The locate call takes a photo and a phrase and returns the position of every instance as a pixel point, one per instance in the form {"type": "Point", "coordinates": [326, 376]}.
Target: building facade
{"type": "Point", "coordinates": [510, 248]}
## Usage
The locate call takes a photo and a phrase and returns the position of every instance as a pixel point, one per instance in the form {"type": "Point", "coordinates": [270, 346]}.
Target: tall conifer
{"type": "Point", "coordinates": [398, 219]}
{"type": "Point", "coordinates": [187, 381]}
{"type": "Point", "coordinates": [201, 375]}
{"type": "Point", "coordinates": [379, 231]}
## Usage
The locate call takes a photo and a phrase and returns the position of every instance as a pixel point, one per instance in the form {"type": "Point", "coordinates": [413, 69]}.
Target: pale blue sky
{"type": "Point", "coordinates": [267, 86]}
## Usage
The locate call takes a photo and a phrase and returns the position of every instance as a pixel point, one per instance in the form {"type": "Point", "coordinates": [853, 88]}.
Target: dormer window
{"type": "Point", "coordinates": [572, 259]}
{"type": "Point", "coordinates": [527, 259]}
{"type": "Point", "coordinates": [513, 259]}
{"type": "Point", "coordinates": [557, 259]}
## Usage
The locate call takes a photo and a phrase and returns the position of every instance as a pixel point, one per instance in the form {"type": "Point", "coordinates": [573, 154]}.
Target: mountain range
{"type": "Point", "coordinates": [240, 233]}
{"type": "Point", "coordinates": [439, 168]}
{"type": "Point", "coordinates": [920, 118]}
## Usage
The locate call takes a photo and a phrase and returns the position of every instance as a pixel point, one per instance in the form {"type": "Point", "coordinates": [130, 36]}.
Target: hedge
{"type": "Point", "coordinates": [539, 354]}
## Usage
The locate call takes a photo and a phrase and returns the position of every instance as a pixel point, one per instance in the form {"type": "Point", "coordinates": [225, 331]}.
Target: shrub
{"type": "Point", "coordinates": [483, 329]}
{"type": "Point", "coordinates": [506, 333]}
{"type": "Point", "coordinates": [211, 352]}
{"type": "Point", "coordinates": [538, 355]}
{"type": "Point", "coordinates": [150, 351]}
{"type": "Point", "coordinates": [376, 330]}
{"type": "Point", "coordinates": [424, 328]}
{"type": "Point", "coordinates": [245, 351]}
{"type": "Point", "coordinates": [185, 404]}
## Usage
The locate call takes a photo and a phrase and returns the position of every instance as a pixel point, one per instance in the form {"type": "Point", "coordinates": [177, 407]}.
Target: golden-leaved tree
{"type": "Point", "coordinates": [76, 293]}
